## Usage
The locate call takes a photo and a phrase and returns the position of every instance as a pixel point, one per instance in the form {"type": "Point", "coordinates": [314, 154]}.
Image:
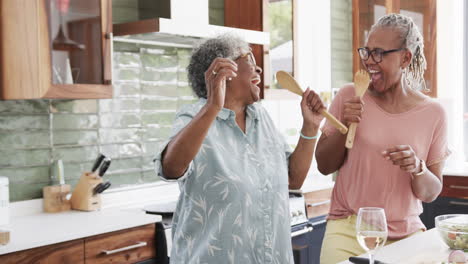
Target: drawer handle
{"type": "Point", "coordinates": [319, 203]}
{"type": "Point", "coordinates": [459, 187]}
{"type": "Point", "coordinates": [302, 231]}
{"type": "Point", "coordinates": [137, 245]}
{"type": "Point", "coordinates": [458, 203]}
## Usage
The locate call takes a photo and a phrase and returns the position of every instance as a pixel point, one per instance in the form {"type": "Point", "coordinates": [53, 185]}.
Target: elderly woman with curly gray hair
{"type": "Point", "coordinates": [233, 167]}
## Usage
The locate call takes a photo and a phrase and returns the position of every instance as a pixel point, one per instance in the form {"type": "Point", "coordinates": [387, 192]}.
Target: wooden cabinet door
{"type": "Point", "coordinates": [55, 49]}
{"type": "Point", "coordinates": [318, 202]}
{"type": "Point", "coordinates": [71, 252]}
{"type": "Point", "coordinates": [126, 246]}
{"type": "Point", "coordinates": [455, 186]}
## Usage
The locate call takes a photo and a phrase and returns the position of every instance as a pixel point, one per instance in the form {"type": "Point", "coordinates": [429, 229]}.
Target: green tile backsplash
{"type": "Point", "coordinates": [150, 84]}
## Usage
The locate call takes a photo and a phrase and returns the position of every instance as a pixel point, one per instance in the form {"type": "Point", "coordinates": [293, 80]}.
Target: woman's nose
{"type": "Point", "coordinates": [258, 69]}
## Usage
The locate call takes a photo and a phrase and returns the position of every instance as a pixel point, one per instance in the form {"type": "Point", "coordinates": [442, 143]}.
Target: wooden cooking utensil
{"type": "Point", "coordinates": [288, 82]}
{"type": "Point", "coordinates": [361, 82]}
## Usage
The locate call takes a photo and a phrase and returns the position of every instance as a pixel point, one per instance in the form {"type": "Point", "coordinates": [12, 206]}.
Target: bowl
{"type": "Point", "coordinates": [453, 229]}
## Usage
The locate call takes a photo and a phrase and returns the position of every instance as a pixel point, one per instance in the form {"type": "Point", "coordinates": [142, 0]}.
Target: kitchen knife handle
{"type": "Point", "coordinates": [335, 122]}
{"type": "Point", "coordinates": [351, 135]}
{"type": "Point", "coordinates": [104, 167]}
{"type": "Point", "coordinates": [360, 260]}
{"type": "Point", "coordinates": [98, 161]}
{"type": "Point", "coordinates": [97, 188]}
{"type": "Point", "coordinates": [104, 187]}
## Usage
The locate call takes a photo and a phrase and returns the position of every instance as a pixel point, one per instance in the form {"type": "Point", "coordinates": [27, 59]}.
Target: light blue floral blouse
{"type": "Point", "coordinates": [233, 206]}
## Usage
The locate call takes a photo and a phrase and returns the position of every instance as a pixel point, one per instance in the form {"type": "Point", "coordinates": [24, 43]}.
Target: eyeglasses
{"type": "Point", "coordinates": [250, 56]}
{"type": "Point", "coordinates": [377, 54]}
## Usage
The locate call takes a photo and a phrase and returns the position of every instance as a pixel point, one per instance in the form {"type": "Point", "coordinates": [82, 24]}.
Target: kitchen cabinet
{"type": "Point", "coordinates": [452, 200]}
{"type": "Point", "coordinates": [318, 202]}
{"type": "Point", "coordinates": [131, 245]}
{"type": "Point", "coordinates": [55, 49]}
{"type": "Point", "coordinates": [66, 253]}
{"type": "Point", "coordinates": [307, 248]}
{"type": "Point", "coordinates": [423, 13]}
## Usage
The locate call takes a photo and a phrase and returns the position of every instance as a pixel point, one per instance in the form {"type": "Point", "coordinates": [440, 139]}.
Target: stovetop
{"type": "Point", "coordinates": [297, 209]}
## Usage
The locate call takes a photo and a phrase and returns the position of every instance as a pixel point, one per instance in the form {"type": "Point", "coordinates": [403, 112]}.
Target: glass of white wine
{"type": "Point", "coordinates": [371, 228]}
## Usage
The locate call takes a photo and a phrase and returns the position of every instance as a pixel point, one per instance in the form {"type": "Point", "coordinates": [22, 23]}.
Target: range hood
{"type": "Point", "coordinates": [184, 26]}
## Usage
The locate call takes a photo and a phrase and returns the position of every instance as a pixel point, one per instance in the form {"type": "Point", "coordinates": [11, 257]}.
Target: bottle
{"type": "Point", "coordinates": [4, 211]}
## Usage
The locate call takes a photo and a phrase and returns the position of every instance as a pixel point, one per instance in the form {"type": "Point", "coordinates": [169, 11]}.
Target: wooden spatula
{"type": "Point", "coordinates": [361, 82]}
{"type": "Point", "coordinates": [288, 82]}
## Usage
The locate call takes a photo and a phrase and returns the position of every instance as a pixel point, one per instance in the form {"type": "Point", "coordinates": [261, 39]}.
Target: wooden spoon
{"type": "Point", "coordinates": [361, 82]}
{"type": "Point", "coordinates": [288, 82]}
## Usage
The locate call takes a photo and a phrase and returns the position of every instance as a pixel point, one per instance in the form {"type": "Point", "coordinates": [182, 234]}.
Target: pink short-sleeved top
{"type": "Point", "coordinates": [367, 179]}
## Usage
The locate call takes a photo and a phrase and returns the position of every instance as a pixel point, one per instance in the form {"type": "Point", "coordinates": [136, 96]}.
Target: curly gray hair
{"type": "Point", "coordinates": [412, 40]}
{"type": "Point", "coordinates": [224, 46]}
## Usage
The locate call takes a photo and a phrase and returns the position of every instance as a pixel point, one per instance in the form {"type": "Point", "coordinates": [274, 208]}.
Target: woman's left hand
{"type": "Point", "coordinates": [311, 104]}
{"type": "Point", "coordinates": [403, 156]}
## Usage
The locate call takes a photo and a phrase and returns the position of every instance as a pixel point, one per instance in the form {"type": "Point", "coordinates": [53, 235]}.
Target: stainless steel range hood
{"type": "Point", "coordinates": [185, 24]}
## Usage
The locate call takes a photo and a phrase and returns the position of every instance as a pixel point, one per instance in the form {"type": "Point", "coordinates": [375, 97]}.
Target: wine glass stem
{"type": "Point", "coordinates": [371, 258]}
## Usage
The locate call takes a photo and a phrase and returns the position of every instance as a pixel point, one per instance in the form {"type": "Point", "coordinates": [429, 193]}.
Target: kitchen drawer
{"type": "Point", "coordinates": [70, 252]}
{"type": "Point", "coordinates": [127, 246]}
{"type": "Point", "coordinates": [318, 202]}
{"type": "Point", "coordinates": [455, 186]}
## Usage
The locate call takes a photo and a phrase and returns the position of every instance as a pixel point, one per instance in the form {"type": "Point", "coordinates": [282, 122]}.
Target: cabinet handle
{"type": "Point", "coordinates": [110, 37]}
{"type": "Point", "coordinates": [318, 204]}
{"type": "Point", "coordinates": [302, 231]}
{"type": "Point", "coordinates": [319, 222]}
{"type": "Point", "coordinates": [459, 187]}
{"type": "Point", "coordinates": [137, 245]}
{"type": "Point", "coordinates": [458, 203]}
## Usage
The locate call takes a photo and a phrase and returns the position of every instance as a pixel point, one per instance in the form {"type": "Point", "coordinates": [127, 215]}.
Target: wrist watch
{"type": "Point", "coordinates": [423, 169]}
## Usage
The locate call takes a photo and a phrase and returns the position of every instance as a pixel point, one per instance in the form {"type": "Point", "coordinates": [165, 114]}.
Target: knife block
{"type": "Point", "coordinates": [83, 198]}
{"type": "Point", "coordinates": [55, 198]}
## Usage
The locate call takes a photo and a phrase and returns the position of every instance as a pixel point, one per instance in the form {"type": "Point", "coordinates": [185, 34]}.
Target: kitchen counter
{"type": "Point", "coordinates": [426, 247]}
{"type": "Point", "coordinates": [459, 170]}
{"type": "Point", "coordinates": [40, 229]}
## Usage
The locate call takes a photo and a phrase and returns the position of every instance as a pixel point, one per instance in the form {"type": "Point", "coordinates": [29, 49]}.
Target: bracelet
{"type": "Point", "coordinates": [305, 137]}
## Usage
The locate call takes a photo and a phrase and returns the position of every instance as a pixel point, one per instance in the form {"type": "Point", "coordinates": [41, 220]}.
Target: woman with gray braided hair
{"type": "Point", "coordinates": [233, 166]}
{"type": "Point", "coordinates": [400, 145]}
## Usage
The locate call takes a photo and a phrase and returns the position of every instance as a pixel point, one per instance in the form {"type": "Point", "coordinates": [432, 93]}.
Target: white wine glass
{"type": "Point", "coordinates": [371, 229]}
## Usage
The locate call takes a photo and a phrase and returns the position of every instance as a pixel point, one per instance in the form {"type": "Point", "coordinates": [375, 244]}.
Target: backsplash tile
{"type": "Point", "coordinates": [21, 122]}
{"type": "Point", "coordinates": [24, 107]}
{"type": "Point", "coordinates": [73, 106]}
{"type": "Point", "coordinates": [24, 157]}
{"type": "Point", "coordinates": [150, 84]}
{"type": "Point", "coordinates": [25, 139]}
{"type": "Point", "coordinates": [75, 137]}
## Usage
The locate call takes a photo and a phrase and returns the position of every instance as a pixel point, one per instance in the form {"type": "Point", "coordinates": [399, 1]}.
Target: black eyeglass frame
{"type": "Point", "coordinates": [372, 52]}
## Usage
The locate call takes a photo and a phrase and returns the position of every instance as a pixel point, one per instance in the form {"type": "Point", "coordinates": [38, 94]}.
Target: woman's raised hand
{"type": "Point", "coordinates": [311, 104]}
{"type": "Point", "coordinates": [352, 111]}
{"type": "Point", "coordinates": [220, 70]}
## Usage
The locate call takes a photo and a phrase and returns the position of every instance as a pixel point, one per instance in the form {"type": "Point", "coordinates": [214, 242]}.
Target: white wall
{"type": "Point", "coordinates": [450, 73]}
{"type": "Point", "coordinates": [313, 44]}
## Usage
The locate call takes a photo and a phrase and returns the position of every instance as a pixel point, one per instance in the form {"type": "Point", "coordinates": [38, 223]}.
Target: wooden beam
{"type": "Point", "coordinates": [392, 6]}
{"type": "Point", "coordinates": [356, 35]}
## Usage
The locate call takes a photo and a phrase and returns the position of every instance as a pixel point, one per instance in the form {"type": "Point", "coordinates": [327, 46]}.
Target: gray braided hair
{"type": "Point", "coordinates": [412, 40]}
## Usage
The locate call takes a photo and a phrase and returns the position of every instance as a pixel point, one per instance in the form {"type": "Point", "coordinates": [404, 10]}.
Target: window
{"type": "Point", "coordinates": [280, 25]}
{"type": "Point", "coordinates": [465, 92]}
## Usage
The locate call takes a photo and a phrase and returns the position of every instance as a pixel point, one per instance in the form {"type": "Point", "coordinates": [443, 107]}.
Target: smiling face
{"type": "Point", "coordinates": [245, 86]}
{"type": "Point", "coordinates": [387, 73]}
